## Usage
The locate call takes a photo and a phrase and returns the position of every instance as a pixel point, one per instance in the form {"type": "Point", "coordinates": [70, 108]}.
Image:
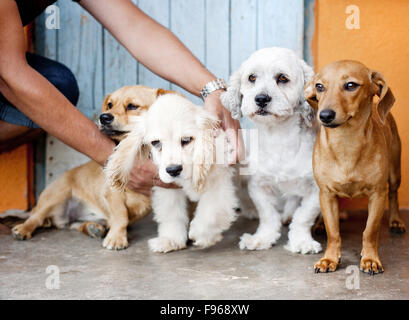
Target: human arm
{"type": "Point", "coordinates": [162, 52]}
{"type": "Point", "coordinates": [37, 98]}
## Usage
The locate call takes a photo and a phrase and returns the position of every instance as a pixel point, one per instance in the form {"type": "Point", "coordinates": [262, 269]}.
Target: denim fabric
{"type": "Point", "coordinates": [58, 74]}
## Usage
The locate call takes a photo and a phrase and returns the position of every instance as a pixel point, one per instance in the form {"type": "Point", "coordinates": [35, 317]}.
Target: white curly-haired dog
{"type": "Point", "coordinates": [180, 139]}
{"type": "Point", "coordinates": [268, 89]}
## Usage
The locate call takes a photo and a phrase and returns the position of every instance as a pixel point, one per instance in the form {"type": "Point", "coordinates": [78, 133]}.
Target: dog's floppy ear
{"type": "Point", "coordinates": [307, 111]}
{"type": "Point", "coordinates": [382, 90]}
{"type": "Point", "coordinates": [104, 104]}
{"type": "Point", "coordinates": [204, 149]}
{"type": "Point", "coordinates": [310, 93]}
{"type": "Point", "coordinates": [162, 92]}
{"type": "Point", "coordinates": [231, 99]}
{"type": "Point", "coordinates": [121, 161]}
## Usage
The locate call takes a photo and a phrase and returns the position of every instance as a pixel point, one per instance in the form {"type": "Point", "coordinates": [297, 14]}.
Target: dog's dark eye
{"type": "Point", "coordinates": [252, 78]}
{"type": "Point", "coordinates": [131, 107]}
{"type": "Point", "coordinates": [109, 105]}
{"type": "Point", "coordinates": [351, 86]}
{"type": "Point", "coordinates": [319, 87]}
{"type": "Point", "coordinates": [282, 79]}
{"type": "Point", "coordinates": [156, 144]}
{"type": "Point", "coordinates": [186, 140]}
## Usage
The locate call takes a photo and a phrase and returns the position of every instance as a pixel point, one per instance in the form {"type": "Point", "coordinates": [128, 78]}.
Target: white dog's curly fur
{"type": "Point", "coordinates": [175, 132]}
{"type": "Point", "coordinates": [283, 186]}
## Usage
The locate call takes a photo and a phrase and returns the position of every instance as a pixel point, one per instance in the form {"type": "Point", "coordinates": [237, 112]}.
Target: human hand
{"type": "Point", "coordinates": [228, 124]}
{"type": "Point", "coordinates": [144, 176]}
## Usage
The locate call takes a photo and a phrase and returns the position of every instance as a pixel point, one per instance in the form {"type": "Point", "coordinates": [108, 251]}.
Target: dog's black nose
{"type": "Point", "coordinates": [106, 118]}
{"type": "Point", "coordinates": [174, 170]}
{"type": "Point", "coordinates": [327, 115]}
{"type": "Point", "coordinates": [262, 100]}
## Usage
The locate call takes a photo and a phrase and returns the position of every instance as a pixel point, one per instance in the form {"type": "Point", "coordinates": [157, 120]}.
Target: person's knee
{"type": "Point", "coordinates": [57, 73]}
{"type": "Point", "coordinates": [64, 80]}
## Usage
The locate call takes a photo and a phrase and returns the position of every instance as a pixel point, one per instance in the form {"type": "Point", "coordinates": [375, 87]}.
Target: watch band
{"type": "Point", "coordinates": [212, 86]}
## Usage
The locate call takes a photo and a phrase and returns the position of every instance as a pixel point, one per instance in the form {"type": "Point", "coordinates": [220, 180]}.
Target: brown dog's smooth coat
{"type": "Point", "coordinates": [98, 207]}
{"type": "Point", "coordinates": [356, 154]}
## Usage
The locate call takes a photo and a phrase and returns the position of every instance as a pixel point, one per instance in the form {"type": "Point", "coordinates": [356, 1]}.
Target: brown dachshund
{"type": "Point", "coordinates": [356, 154]}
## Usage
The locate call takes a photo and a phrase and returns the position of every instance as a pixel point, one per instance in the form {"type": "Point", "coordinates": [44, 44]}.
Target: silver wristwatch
{"type": "Point", "coordinates": [212, 86]}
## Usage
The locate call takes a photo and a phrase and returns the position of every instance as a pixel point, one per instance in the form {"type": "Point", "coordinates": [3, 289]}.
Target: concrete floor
{"type": "Point", "coordinates": [88, 271]}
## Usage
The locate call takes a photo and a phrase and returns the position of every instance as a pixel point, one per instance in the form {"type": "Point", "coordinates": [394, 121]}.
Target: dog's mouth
{"type": "Point", "coordinates": [112, 132]}
{"type": "Point", "coordinates": [331, 125]}
{"type": "Point", "coordinates": [335, 125]}
{"type": "Point", "coordinates": [262, 112]}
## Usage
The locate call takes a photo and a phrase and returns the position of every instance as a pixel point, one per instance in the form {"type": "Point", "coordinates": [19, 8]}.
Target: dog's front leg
{"type": "Point", "coordinates": [299, 235]}
{"type": "Point", "coordinates": [214, 214]}
{"type": "Point", "coordinates": [247, 208]}
{"type": "Point", "coordinates": [290, 207]}
{"type": "Point", "coordinates": [117, 237]}
{"type": "Point", "coordinates": [170, 212]}
{"type": "Point", "coordinates": [330, 213]}
{"type": "Point", "coordinates": [269, 229]}
{"type": "Point", "coordinates": [370, 262]}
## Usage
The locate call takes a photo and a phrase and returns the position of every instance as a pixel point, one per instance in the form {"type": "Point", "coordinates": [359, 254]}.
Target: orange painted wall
{"type": "Point", "coordinates": [381, 43]}
{"type": "Point", "coordinates": [14, 177]}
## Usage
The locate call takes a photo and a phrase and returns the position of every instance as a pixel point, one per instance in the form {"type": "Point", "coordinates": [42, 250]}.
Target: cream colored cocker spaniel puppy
{"type": "Point", "coordinates": [180, 138]}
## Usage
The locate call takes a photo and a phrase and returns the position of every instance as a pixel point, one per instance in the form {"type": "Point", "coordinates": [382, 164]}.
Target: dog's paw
{"type": "Point", "coordinates": [371, 266]}
{"type": "Point", "coordinates": [257, 242]}
{"type": "Point", "coordinates": [164, 245]}
{"type": "Point", "coordinates": [203, 240]}
{"type": "Point", "coordinates": [115, 241]}
{"type": "Point", "coordinates": [303, 246]}
{"type": "Point", "coordinates": [396, 226]}
{"type": "Point", "coordinates": [326, 265]}
{"type": "Point", "coordinates": [20, 232]}
{"type": "Point", "coordinates": [95, 230]}
{"type": "Point", "coordinates": [203, 237]}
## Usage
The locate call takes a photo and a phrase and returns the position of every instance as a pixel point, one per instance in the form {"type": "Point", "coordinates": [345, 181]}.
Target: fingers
{"type": "Point", "coordinates": [144, 176]}
{"type": "Point", "coordinates": [232, 155]}
{"type": "Point", "coordinates": [158, 182]}
{"type": "Point", "coordinates": [146, 192]}
{"type": "Point", "coordinates": [235, 140]}
{"type": "Point", "coordinates": [149, 167]}
{"type": "Point", "coordinates": [229, 125]}
{"type": "Point", "coordinates": [241, 150]}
